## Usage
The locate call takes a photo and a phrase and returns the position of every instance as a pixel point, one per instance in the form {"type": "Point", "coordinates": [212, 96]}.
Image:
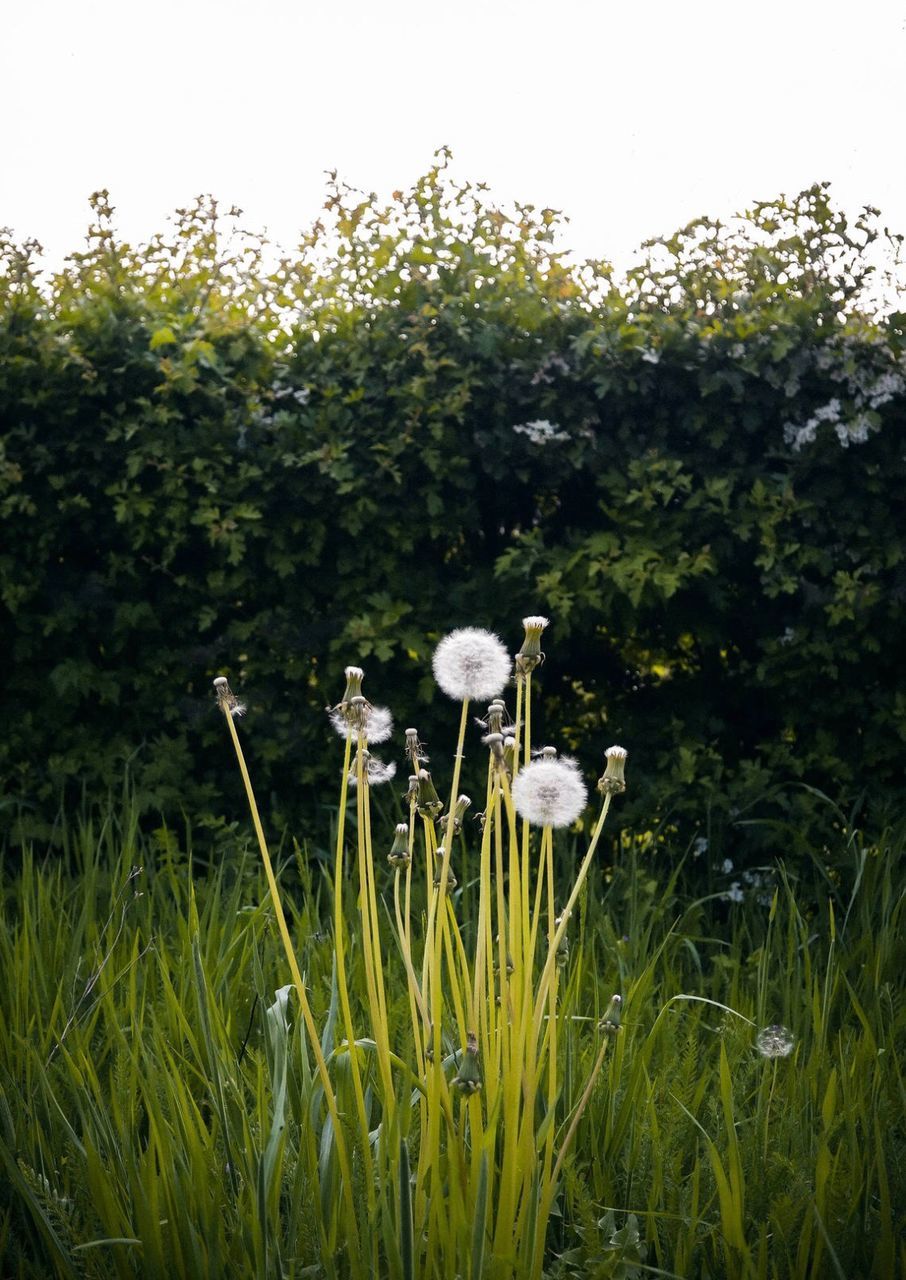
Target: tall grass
{"type": "Point", "coordinates": [387, 1072]}
{"type": "Point", "coordinates": [162, 1113]}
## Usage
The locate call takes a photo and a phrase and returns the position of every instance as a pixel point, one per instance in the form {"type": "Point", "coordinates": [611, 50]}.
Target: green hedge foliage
{"type": "Point", "coordinates": [425, 418]}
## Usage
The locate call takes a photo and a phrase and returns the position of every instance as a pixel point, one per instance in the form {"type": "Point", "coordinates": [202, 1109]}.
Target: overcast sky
{"type": "Point", "coordinates": [632, 118]}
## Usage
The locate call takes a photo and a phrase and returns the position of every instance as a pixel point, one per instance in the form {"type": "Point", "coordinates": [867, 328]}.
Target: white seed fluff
{"type": "Point", "coordinates": [376, 773]}
{"type": "Point", "coordinates": [549, 793]}
{"type": "Point", "coordinates": [378, 724]}
{"type": "Point", "coordinates": [471, 663]}
{"type": "Point", "coordinates": [775, 1042]}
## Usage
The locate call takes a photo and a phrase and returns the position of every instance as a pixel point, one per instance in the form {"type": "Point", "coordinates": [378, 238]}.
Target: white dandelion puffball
{"type": "Point", "coordinates": [378, 724]}
{"type": "Point", "coordinates": [775, 1042]}
{"type": "Point", "coordinates": [549, 793]}
{"type": "Point", "coordinates": [471, 663]}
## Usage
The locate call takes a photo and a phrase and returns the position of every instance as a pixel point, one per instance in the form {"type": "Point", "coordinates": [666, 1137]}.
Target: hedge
{"type": "Point", "coordinates": [426, 417]}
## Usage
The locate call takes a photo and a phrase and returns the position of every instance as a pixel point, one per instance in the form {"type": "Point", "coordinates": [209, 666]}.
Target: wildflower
{"type": "Point", "coordinates": [611, 1022]}
{"type": "Point", "coordinates": [468, 1078]}
{"type": "Point", "coordinates": [735, 893]}
{"type": "Point", "coordinates": [550, 793]}
{"type": "Point", "coordinates": [775, 1042]}
{"type": "Point", "coordinates": [471, 663]}
{"type": "Point", "coordinates": [227, 700]}
{"type": "Point", "coordinates": [612, 782]}
{"type": "Point", "coordinates": [530, 655]}
{"type": "Point", "coordinates": [374, 723]}
{"type": "Point", "coordinates": [399, 850]}
{"type": "Point", "coordinates": [374, 770]}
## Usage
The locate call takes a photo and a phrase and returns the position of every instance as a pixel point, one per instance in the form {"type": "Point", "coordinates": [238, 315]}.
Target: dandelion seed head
{"type": "Point", "coordinates": [775, 1042]}
{"type": "Point", "coordinates": [471, 663]}
{"type": "Point", "coordinates": [376, 772]}
{"type": "Point", "coordinates": [550, 793]}
{"type": "Point", "coordinates": [377, 723]}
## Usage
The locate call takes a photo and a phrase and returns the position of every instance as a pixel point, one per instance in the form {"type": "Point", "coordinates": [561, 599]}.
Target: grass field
{"type": "Point", "coordinates": [161, 1115]}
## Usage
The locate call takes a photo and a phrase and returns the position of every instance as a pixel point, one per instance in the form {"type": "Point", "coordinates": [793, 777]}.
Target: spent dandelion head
{"type": "Point", "coordinates": [227, 701]}
{"type": "Point", "coordinates": [550, 793]}
{"type": "Point", "coordinates": [775, 1041]}
{"type": "Point", "coordinates": [471, 664]}
{"type": "Point", "coordinates": [415, 750]}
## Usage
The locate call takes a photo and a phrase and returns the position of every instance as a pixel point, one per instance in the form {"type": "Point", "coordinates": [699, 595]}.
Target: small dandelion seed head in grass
{"type": "Point", "coordinates": [550, 793]}
{"type": "Point", "coordinates": [775, 1042]}
{"type": "Point", "coordinates": [471, 663]}
{"type": "Point", "coordinates": [376, 723]}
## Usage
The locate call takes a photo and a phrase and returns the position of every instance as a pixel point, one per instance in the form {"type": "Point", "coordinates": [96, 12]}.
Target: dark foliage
{"type": "Point", "coordinates": [426, 419]}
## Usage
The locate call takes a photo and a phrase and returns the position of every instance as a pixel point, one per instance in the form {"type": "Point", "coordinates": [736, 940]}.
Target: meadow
{"type": "Point", "coordinates": [415, 1065]}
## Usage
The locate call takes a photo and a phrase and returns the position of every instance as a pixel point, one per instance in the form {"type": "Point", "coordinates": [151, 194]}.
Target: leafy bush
{"type": "Point", "coordinates": [424, 418]}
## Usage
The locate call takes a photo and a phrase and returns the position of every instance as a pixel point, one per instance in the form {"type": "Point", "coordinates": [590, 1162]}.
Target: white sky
{"type": "Point", "coordinates": [631, 117]}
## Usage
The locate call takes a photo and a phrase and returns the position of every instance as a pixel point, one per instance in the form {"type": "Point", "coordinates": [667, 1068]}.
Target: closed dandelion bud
{"type": "Point", "coordinates": [471, 664]}
{"type": "Point", "coordinates": [562, 948]}
{"type": "Point", "coordinates": [549, 793]}
{"type": "Point", "coordinates": [227, 701]}
{"type": "Point", "coordinates": [428, 801]}
{"type": "Point", "coordinates": [468, 1078]}
{"type": "Point", "coordinates": [452, 882]}
{"type": "Point", "coordinates": [412, 793]}
{"type": "Point", "coordinates": [354, 677]}
{"type": "Point", "coordinates": [509, 964]}
{"type": "Point", "coordinates": [612, 781]}
{"type": "Point", "coordinates": [530, 655]}
{"type": "Point", "coordinates": [611, 1022]}
{"type": "Point", "coordinates": [459, 812]}
{"type": "Point", "coordinates": [399, 850]}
